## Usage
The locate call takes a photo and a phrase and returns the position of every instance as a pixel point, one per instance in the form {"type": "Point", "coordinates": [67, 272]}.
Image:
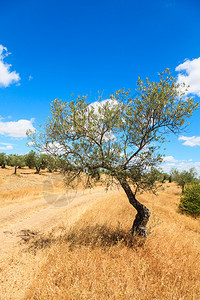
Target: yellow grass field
{"type": "Point", "coordinates": [82, 249]}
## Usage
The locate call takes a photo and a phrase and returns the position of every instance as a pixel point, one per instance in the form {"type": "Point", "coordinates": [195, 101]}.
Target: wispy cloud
{"type": "Point", "coordinates": [5, 146]}
{"type": "Point", "coordinates": [190, 75]}
{"type": "Point", "coordinates": [170, 159]}
{"type": "Point", "coordinates": [170, 162]}
{"type": "Point", "coordinates": [30, 144]}
{"type": "Point", "coordinates": [7, 77]}
{"type": "Point", "coordinates": [190, 140]}
{"type": "Point", "coordinates": [16, 129]}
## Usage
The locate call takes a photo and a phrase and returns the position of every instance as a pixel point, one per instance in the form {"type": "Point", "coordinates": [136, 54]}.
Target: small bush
{"type": "Point", "coordinates": [190, 201]}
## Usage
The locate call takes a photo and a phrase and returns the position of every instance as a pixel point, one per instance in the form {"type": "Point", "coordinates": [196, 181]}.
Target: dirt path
{"type": "Point", "coordinates": [42, 216]}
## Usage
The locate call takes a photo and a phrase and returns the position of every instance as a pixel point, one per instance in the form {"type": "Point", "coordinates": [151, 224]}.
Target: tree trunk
{"type": "Point", "coordinates": [15, 170]}
{"type": "Point", "coordinates": [37, 170]}
{"type": "Point", "coordinates": [143, 214]}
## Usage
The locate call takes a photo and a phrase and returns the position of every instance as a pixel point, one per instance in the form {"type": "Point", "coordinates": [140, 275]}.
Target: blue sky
{"type": "Point", "coordinates": [51, 49]}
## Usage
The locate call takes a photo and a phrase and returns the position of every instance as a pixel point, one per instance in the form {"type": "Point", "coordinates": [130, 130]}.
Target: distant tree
{"type": "Point", "coordinates": [41, 162]}
{"type": "Point", "coordinates": [161, 176]}
{"type": "Point", "coordinates": [120, 135]}
{"type": "Point", "coordinates": [184, 177]}
{"type": "Point", "coordinates": [155, 175]}
{"type": "Point", "coordinates": [53, 163]}
{"type": "Point", "coordinates": [30, 159]}
{"type": "Point", "coordinates": [190, 200]}
{"type": "Point", "coordinates": [3, 160]}
{"type": "Point", "coordinates": [10, 160]}
{"type": "Point", "coordinates": [165, 177]}
{"type": "Point", "coordinates": [21, 161]}
{"type": "Point", "coordinates": [15, 160]}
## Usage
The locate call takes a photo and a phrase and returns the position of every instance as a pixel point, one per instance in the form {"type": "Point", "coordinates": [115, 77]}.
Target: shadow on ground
{"type": "Point", "coordinates": [99, 236]}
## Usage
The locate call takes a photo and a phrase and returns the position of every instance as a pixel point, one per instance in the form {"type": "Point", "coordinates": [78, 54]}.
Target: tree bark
{"type": "Point", "coordinates": [37, 170]}
{"type": "Point", "coordinates": [143, 214]}
{"type": "Point", "coordinates": [15, 170]}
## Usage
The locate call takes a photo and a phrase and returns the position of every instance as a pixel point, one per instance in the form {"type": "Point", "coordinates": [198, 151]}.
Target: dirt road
{"type": "Point", "coordinates": [41, 215]}
{"type": "Point", "coordinates": [44, 214]}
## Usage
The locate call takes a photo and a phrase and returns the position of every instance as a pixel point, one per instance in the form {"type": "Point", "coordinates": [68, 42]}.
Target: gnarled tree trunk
{"type": "Point", "coordinates": [143, 214]}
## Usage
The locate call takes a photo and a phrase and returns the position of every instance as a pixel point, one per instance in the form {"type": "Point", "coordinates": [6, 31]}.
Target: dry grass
{"type": "Point", "coordinates": [27, 186]}
{"type": "Point", "coordinates": [97, 258]}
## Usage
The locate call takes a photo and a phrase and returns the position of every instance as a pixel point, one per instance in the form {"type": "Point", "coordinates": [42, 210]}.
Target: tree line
{"type": "Point", "coordinates": [32, 160]}
{"type": "Point", "coordinates": [182, 178]}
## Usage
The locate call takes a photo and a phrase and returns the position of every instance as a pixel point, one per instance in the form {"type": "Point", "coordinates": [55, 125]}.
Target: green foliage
{"type": "Point", "coordinates": [190, 200]}
{"type": "Point", "coordinates": [53, 163]}
{"type": "Point", "coordinates": [41, 162]}
{"type": "Point", "coordinates": [30, 159]}
{"type": "Point", "coordinates": [21, 161]}
{"type": "Point", "coordinates": [184, 177]}
{"type": "Point", "coordinates": [3, 160]}
{"type": "Point", "coordinates": [156, 175]}
{"type": "Point", "coordinates": [15, 160]}
{"type": "Point", "coordinates": [165, 177]}
{"type": "Point", "coordinates": [94, 173]}
{"type": "Point", "coordinates": [10, 160]}
{"type": "Point", "coordinates": [160, 175]}
{"type": "Point", "coordinates": [120, 135]}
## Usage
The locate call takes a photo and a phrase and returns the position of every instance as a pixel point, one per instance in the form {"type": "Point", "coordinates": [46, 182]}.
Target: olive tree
{"type": "Point", "coordinates": [17, 161]}
{"type": "Point", "coordinates": [120, 135]}
{"type": "Point", "coordinates": [30, 159]}
{"type": "Point", "coordinates": [184, 177]}
{"type": "Point", "coordinates": [37, 160]}
{"type": "Point", "coordinates": [41, 162]}
{"type": "Point", "coordinates": [3, 160]}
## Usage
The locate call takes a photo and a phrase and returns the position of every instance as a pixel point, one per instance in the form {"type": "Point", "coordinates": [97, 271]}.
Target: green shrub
{"type": "Point", "coordinates": [190, 201]}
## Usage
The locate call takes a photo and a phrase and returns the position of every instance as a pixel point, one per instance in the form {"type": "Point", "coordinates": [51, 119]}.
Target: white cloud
{"type": "Point", "coordinates": [53, 148]}
{"type": "Point", "coordinates": [181, 165]}
{"type": "Point", "coordinates": [99, 106]}
{"type": "Point", "coordinates": [30, 77]}
{"type": "Point", "coordinates": [5, 146]}
{"type": "Point", "coordinates": [7, 77]}
{"type": "Point", "coordinates": [167, 167]}
{"type": "Point", "coordinates": [16, 129]}
{"type": "Point", "coordinates": [190, 140]}
{"type": "Point", "coordinates": [190, 75]}
{"type": "Point", "coordinates": [30, 144]}
{"type": "Point", "coordinates": [169, 158]}
{"type": "Point", "coordinates": [188, 165]}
